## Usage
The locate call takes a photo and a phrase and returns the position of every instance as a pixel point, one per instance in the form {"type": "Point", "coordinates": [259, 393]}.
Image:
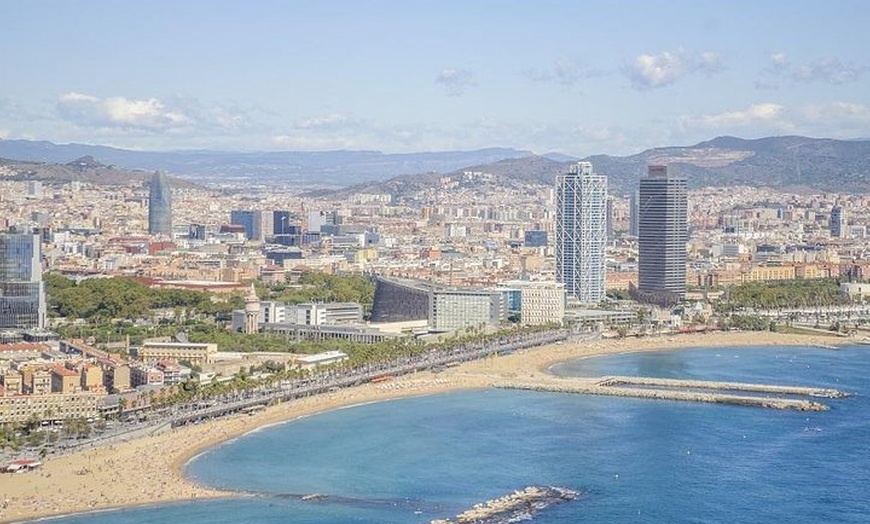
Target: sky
{"type": "Point", "coordinates": [579, 77]}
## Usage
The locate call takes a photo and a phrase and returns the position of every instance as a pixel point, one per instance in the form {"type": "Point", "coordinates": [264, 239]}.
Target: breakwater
{"type": "Point", "coordinates": [683, 390]}
{"type": "Point", "coordinates": [519, 505]}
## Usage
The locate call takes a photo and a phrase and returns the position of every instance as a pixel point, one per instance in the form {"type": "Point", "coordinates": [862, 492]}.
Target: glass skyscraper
{"type": "Point", "coordinates": [22, 292]}
{"type": "Point", "coordinates": [160, 206]}
{"type": "Point", "coordinates": [581, 232]}
{"type": "Point", "coordinates": [662, 233]}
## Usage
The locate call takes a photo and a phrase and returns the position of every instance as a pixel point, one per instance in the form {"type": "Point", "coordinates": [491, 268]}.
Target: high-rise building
{"type": "Point", "coordinates": [160, 206]}
{"type": "Point", "coordinates": [22, 292]}
{"type": "Point", "coordinates": [252, 220]}
{"type": "Point", "coordinates": [581, 225]}
{"type": "Point", "coordinates": [634, 213]}
{"type": "Point", "coordinates": [662, 234]}
{"type": "Point", "coordinates": [839, 224]}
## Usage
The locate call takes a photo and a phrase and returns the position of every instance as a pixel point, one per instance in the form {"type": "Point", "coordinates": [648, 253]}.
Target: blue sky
{"type": "Point", "coordinates": [578, 77]}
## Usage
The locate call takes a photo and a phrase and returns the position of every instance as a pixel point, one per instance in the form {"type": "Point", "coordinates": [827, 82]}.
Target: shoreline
{"type": "Point", "coordinates": [150, 470]}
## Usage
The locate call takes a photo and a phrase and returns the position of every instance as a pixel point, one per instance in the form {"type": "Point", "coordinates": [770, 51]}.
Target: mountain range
{"type": "Point", "coordinates": [787, 162]}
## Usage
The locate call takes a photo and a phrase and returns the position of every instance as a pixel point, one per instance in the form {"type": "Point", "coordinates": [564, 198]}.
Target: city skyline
{"type": "Point", "coordinates": [403, 77]}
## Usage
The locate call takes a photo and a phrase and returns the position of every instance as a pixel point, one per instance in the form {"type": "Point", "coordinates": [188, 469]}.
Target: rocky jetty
{"type": "Point", "coordinates": [519, 505]}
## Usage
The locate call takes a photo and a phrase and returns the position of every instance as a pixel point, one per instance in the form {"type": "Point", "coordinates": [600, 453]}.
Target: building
{"type": "Point", "coordinates": [316, 314]}
{"type": "Point", "coordinates": [839, 225]}
{"type": "Point", "coordinates": [160, 206]}
{"type": "Point", "coordinates": [50, 406]}
{"type": "Point", "coordinates": [22, 292]}
{"type": "Point", "coordinates": [581, 238]}
{"type": "Point", "coordinates": [535, 238]}
{"type": "Point", "coordinates": [196, 354]}
{"type": "Point", "coordinates": [634, 213]}
{"type": "Point", "coordinates": [252, 312]}
{"type": "Point", "coordinates": [399, 300]}
{"type": "Point", "coordinates": [320, 359]}
{"type": "Point", "coordinates": [452, 309]}
{"type": "Point", "coordinates": [662, 235]}
{"type": "Point", "coordinates": [252, 220]}
{"type": "Point", "coordinates": [536, 303]}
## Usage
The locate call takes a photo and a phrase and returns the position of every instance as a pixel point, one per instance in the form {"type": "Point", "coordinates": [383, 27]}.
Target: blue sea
{"type": "Point", "coordinates": [633, 460]}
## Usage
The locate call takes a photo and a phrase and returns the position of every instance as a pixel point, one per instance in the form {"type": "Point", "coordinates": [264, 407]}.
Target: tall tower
{"type": "Point", "coordinates": [634, 213]}
{"type": "Point", "coordinates": [662, 233]}
{"type": "Point", "coordinates": [22, 292]}
{"type": "Point", "coordinates": [160, 206]}
{"type": "Point", "coordinates": [581, 232]}
{"type": "Point", "coordinates": [839, 223]}
{"type": "Point", "coordinates": [252, 311]}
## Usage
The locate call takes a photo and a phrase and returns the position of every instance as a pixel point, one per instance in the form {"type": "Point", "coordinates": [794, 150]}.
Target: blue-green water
{"type": "Point", "coordinates": [413, 460]}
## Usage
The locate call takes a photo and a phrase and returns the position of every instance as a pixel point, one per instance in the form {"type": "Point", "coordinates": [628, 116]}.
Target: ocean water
{"type": "Point", "coordinates": [634, 460]}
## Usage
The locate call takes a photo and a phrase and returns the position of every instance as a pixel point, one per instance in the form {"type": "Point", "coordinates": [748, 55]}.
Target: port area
{"type": "Point", "coordinates": [736, 393]}
{"type": "Point", "coordinates": [519, 505]}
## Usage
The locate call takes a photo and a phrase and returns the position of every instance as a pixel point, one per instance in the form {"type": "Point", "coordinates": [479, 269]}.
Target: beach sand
{"type": "Point", "coordinates": [149, 469]}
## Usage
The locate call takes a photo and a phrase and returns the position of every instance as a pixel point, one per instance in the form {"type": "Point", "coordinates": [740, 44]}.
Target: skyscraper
{"type": "Point", "coordinates": [839, 225]}
{"type": "Point", "coordinates": [581, 225]}
{"type": "Point", "coordinates": [662, 234]}
{"type": "Point", "coordinates": [22, 292]}
{"type": "Point", "coordinates": [160, 206]}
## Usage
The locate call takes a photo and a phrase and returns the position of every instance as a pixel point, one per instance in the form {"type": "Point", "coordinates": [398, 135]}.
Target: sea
{"type": "Point", "coordinates": [632, 460]}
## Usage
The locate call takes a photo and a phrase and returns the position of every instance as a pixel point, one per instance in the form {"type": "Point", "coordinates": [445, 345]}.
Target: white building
{"type": "Point", "coordinates": [451, 309]}
{"type": "Point", "coordinates": [539, 302]}
{"type": "Point", "coordinates": [581, 232]}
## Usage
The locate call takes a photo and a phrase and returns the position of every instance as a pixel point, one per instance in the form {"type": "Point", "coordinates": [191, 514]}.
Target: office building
{"type": "Point", "coordinates": [581, 225]}
{"type": "Point", "coordinates": [662, 235]}
{"type": "Point", "coordinates": [22, 292]}
{"type": "Point", "coordinates": [160, 206]}
{"type": "Point", "coordinates": [251, 220]}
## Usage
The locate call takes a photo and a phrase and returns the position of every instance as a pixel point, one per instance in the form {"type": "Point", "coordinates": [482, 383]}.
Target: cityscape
{"type": "Point", "coordinates": [259, 311]}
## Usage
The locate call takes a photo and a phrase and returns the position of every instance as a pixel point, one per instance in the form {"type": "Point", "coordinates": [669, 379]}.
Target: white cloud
{"type": "Point", "coordinates": [330, 121]}
{"type": "Point", "coordinates": [754, 114]}
{"type": "Point", "coordinates": [456, 81]}
{"type": "Point", "coordinates": [844, 115]}
{"type": "Point", "coordinates": [565, 71]}
{"type": "Point", "coordinates": [119, 112]}
{"type": "Point", "coordinates": [314, 143]}
{"type": "Point", "coordinates": [828, 70]}
{"type": "Point", "coordinates": [654, 71]}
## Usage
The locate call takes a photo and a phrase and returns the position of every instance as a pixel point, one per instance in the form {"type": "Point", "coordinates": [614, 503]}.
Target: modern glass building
{"type": "Point", "coordinates": [252, 220]}
{"type": "Point", "coordinates": [22, 292]}
{"type": "Point", "coordinates": [160, 206]}
{"type": "Point", "coordinates": [581, 232]}
{"type": "Point", "coordinates": [662, 233]}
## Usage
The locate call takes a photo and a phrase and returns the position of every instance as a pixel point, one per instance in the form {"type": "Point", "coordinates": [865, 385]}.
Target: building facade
{"type": "Point", "coordinates": [251, 220]}
{"type": "Point", "coordinates": [160, 206]}
{"type": "Point", "coordinates": [22, 292]}
{"type": "Point", "coordinates": [662, 233]}
{"type": "Point", "coordinates": [581, 232]}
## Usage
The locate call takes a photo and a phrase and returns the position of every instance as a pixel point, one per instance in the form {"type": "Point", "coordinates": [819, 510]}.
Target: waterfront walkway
{"type": "Point", "coordinates": [757, 395]}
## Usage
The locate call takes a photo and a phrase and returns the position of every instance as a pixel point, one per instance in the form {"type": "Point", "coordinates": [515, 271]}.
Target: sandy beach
{"type": "Point", "coordinates": [150, 469]}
